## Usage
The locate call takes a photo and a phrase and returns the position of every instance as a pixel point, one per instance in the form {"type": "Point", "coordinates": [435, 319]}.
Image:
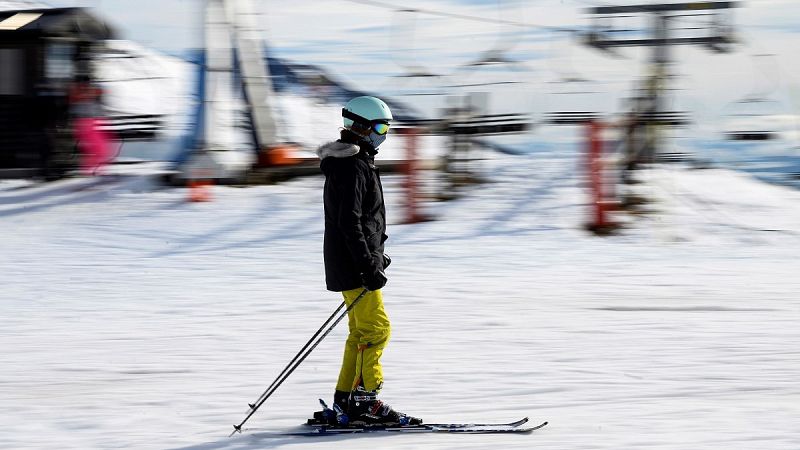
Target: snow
{"type": "Point", "coordinates": [133, 319]}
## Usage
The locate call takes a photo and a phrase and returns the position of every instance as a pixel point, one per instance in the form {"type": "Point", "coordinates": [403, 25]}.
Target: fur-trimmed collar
{"type": "Point", "coordinates": [338, 149]}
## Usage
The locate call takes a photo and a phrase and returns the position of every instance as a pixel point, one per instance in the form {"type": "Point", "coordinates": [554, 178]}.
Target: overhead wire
{"type": "Point", "coordinates": [432, 12]}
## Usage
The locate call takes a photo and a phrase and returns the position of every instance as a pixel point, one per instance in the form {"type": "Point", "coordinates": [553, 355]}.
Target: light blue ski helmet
{"type": "Point", "coordinates": [369, 118]}
{"type": "Point", "coordinates": [370, 108]}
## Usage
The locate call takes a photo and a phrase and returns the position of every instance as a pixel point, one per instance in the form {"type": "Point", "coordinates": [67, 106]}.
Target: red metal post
{"type": "Point", "coordinates": [595, 165]}
{"type": "Point", "coordinates": [412, 214]}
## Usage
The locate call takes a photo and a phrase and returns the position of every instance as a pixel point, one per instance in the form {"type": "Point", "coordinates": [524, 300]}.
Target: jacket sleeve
{"type": "Point", "coordinates": [351, 187]}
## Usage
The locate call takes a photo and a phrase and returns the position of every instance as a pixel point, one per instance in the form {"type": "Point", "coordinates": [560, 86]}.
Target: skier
{"type": "Point", "coordinates": [87, 108]}
{"type": "Point", "coordinates": [355, 232]}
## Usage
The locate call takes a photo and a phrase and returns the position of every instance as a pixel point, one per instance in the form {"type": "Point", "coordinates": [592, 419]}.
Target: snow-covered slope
{"type": "Point", "coordinates": [135, 320]}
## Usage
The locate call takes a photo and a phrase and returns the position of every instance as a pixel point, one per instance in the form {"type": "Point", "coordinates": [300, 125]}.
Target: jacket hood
{"type": "Point", "coordinates": [338, 149]}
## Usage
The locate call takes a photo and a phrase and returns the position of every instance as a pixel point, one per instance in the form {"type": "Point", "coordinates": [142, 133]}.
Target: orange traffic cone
{"type": "Point", "coordinates": [200, 190]}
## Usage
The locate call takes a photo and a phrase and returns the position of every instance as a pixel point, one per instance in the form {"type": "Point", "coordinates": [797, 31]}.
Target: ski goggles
{"type": "Point", "coordinates": [380, 127]}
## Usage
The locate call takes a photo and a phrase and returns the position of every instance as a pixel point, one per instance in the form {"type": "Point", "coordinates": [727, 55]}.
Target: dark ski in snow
{"type": "Point", "coordinates": [464, 428]}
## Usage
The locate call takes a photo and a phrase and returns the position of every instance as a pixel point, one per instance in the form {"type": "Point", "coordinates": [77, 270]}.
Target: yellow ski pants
{"type": "Point", "coordinates": [369, 333]}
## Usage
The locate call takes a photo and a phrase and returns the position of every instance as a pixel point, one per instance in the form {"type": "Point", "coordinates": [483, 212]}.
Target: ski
{"type": "Point", "coordinates": [514, 424]}
{"type": "Point", "coordinates": [463, 428]}
{"type": "Point", "coordinates": [491, 430]}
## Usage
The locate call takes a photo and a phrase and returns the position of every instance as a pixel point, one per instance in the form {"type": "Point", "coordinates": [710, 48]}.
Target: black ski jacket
{"type": "Point", "coordinates": [355, 215]}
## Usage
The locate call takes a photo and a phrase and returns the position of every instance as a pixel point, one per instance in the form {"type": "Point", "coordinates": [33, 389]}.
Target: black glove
{"type": "Point", "coordinates": [374, 279]}
{"type": "Point", "coordinates": [386, 261]}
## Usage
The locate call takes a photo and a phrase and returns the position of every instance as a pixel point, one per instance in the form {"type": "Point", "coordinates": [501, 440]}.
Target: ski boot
{"type": "Point", "coordinates": [334, 416]}
{"type": "Point", "coordinates": [366, 410]}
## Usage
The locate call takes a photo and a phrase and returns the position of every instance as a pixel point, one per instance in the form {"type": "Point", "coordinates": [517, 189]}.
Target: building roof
{"type": "Point", "coordinates": [55, 22]}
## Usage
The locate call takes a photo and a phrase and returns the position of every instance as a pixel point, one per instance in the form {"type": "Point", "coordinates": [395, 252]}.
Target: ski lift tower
{"type": "Point", "coordinates": [234, 62]}
{"type": "Point", "coordinates": [647, 113]}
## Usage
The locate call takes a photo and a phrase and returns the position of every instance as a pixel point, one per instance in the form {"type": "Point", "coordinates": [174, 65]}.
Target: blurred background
{"type": "Point", "coordinates": [149, 294]}
{"type": "Point", "coordinates": [255, 85]}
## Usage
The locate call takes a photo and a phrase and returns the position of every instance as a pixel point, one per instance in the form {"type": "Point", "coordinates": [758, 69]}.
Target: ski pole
{"type": "Point", "coordinates": [278, 382]}
{"type": "Point", "coordinates": [253, 405]}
